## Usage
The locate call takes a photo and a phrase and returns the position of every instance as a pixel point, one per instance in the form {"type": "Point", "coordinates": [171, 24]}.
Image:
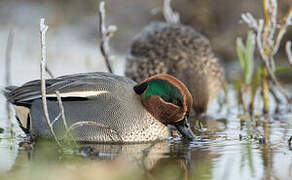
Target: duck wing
{"type": "Point", "coordinates": [76, 87]}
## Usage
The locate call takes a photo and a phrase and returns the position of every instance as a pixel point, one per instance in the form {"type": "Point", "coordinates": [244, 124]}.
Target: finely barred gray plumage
{"type": "Point", "coordinates": [112, 103]}
{"type": "Point", "coordinates": [180, 51]}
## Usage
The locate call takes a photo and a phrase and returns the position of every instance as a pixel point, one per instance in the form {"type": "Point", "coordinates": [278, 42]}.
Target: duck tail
{"type": "Point", "coordinates": [21, 112]}
{"type": "Point", "coordinates": [7, 90]}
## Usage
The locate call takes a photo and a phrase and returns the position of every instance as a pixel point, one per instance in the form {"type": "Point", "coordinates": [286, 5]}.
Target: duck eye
{"type": "Point", "coordinates": [172, 101]}
{"type": "Point", "coordinates": [177, 102]}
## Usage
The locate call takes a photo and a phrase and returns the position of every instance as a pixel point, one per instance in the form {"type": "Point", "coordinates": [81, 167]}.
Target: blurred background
{"type": "Point", "coordinates": [73, 47]}
{"type": "Point", "coordinates": [72, 39]}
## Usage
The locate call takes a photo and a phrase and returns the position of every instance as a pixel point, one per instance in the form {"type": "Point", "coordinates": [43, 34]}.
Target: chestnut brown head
{"type": "Point", "coordinates": [168, 100]}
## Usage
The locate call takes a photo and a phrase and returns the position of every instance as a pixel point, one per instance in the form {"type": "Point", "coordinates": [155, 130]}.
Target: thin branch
{"type": "Point", "coordinates": [270, 13]}
{"type": "Point", "coordinates": [273, 17]}
{"type": "Point", "coordinates": [259, 42]}
{"type": "Point", "coordinates": [289, 52]}
{"type": "Point", "coordinates": [250, 20]}
{"type": "Point", "coordinates": [43, 30]}
{"type": "Point", "coordinates": [282, 31]}
{"type": "Point", "coordinates": [60, 103]}
{"type": "Point", "coordinates": [56, 119]}
{"type": "Point", "coordinates": [270, 26]}
{"type": "Point", "coordinates": [266, 60]}
{"type": "Point", "coordinates": [275, 81]}
{"type": "Point", "coordinates": [276, 98]}
{"type": "Point", "coordinates": [61, 110]}
{"type": "Point", "coordinates": [49, 71]}
{"type": "Point", "coordinates": [273, 64]}
{"type": "Point", "coordinates": [105, 35]}
{"type": "Point", "coordinates": [8, 69]}
{"type": "Point", "coordinates": [169, 15]}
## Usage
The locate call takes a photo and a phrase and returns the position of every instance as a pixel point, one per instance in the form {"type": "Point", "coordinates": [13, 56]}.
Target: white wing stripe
{"type": "Point", "coordinates": [79, 94]}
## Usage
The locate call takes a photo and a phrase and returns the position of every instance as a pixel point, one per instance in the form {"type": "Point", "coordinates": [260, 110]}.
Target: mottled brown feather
{"type": "Point", "coordinates": [178, 50]}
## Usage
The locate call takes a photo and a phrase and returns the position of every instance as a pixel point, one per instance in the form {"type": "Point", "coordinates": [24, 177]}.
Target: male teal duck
{"type": "Point", "coordinates": [122, 111]}
{"type": "Point", "coordinates": [180, 51]}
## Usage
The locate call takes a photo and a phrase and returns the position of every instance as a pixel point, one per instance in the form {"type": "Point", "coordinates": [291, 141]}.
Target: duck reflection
{"type": "Point", "coordinates": [173, 159]}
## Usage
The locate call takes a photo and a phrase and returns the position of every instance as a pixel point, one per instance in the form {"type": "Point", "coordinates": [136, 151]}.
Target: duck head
{"type": "Point", "coordinates": [168, 100]}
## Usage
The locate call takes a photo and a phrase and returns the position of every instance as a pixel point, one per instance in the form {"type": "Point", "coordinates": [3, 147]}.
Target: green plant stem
{"type": "Point", "coordinates": [265, 89]}
{"type": "Point", "coordinates": [251, 105]}
{"type": "Point", "coordinates": [256, 82]}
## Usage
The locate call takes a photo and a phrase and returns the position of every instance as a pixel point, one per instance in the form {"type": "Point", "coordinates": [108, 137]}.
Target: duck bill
{"type": "Point", "coordinates": [184, 128]}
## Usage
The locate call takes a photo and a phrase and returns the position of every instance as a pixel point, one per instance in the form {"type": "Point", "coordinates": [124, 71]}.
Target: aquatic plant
{"type": "Point", "coordinates": [246, 55]}
{"type": "Point", "coordinates": [267, 38]}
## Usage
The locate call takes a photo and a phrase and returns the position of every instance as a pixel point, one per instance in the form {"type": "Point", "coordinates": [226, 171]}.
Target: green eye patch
{"type": "Point", "coordinates": [167, 91]}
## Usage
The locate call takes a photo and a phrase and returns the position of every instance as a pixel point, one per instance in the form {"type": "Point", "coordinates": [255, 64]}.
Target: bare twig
{"type": "Point", "coordinates": [8, 69]}
{"type": "Point", "coordinates": [276, 98]}
{"type": "Point", "coordinates": [56, 119]}
{"type": "Point", "coordinates": [275, 47]}
{"type": "Point", "coordinates": [270, 26]}
{"type": "Point", "coordinates": [43, 30]}
{"type": "Point", "coordinates": [270, 13]}
{"type": "Point", "coordinates": [259, 42]}
{"type": "Point", "coordinates": [169, 15]}
{"type": "Point", "coordinates": [92, 123]}
{"type": "Point", "coordinates": [250, 20]}
{"type": "Point", "coordinates": [49, 72]}
{"type": "Point", "coordinates": [289, 52]}
{"type": "Point", "coordinates": [60, 103]}
{"type": "Point", "coordinates": [105, 35]}
{"type": "Point", "coordinates": [61, 109]}
{"type": "Point", "coordinates": [282, 31]}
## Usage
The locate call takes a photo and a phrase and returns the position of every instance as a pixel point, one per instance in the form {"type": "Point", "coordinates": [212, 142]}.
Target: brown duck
{"type": "Point", "coordinates": [180, 51]}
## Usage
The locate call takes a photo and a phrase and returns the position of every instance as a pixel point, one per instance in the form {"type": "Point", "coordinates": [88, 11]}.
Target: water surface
{"type": "Point", "coordinates": [229, 148]}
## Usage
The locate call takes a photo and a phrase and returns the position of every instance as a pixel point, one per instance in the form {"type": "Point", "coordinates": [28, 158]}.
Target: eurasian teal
{"type": "Point", "coordinates": [122, 111]}
{"type": "Point", "coordinates": [180, 51]}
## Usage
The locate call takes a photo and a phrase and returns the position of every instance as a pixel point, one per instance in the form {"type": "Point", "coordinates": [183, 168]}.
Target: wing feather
{"type": "Point", "coordinates": [79, 86]}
